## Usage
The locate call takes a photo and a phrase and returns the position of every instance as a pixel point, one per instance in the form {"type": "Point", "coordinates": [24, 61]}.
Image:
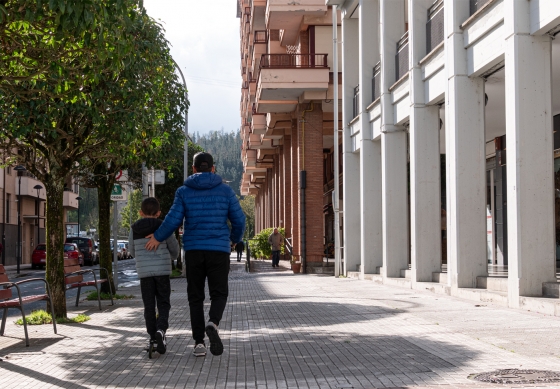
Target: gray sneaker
{"type": "Point", "coordinates": [216, 346]}
{"type": "Point", "coordinates": [199, 350]}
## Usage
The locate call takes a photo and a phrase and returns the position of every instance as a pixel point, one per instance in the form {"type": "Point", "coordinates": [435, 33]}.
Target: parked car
{"type": "Point", "coordinates": [87, 247]}
{"type": "Point", "coordinates": [72, 250]}
{"type": "Point", "coordinates": [123, 248]}
{"type": "Point", "coordinates": [39, 256]}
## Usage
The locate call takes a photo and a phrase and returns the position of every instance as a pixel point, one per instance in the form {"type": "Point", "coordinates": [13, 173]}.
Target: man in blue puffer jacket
{"type": "Point", "coordinates": [205, 203]}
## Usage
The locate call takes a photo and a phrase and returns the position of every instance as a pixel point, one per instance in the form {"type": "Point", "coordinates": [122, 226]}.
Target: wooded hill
{"type": "Point", "coordinates": [225, 147]}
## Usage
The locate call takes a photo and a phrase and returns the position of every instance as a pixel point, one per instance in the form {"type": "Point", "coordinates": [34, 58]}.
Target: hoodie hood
{"type": "Point", "coordinates": [144, 227]}
{"type": "Point", "coordinates": [203, 181]}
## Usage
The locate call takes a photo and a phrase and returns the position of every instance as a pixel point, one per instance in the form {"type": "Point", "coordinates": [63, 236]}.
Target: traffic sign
{"type": "Point", "coordinates": [117, 194]}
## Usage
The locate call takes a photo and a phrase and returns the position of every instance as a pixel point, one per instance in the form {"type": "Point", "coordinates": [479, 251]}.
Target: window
{"type": "Point", "coordinates": [9, 170]}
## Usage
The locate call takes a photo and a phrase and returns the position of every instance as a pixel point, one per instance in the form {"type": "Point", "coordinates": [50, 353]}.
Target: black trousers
{"type": "Point", "coordinates": [239, 255]}
{"type": "Point", "coordinates": [214, 266]}
{"type": "Point", "coordinates": [276, 257]}
{"type": "Point", "coordinates": [156, 291]}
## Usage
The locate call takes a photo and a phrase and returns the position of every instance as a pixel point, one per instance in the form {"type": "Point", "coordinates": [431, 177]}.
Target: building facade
{"type": "Point", "coordinates": [287, 123]}
{"type": "Point", "coordinates": [14, 186]}
{"type": "Point", "coordinates": [450, 142]}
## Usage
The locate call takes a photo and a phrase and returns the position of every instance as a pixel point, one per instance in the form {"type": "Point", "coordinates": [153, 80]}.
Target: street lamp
{"type": "Point", "coordinates": [19, 169]}
{"type": "Point", "coordinates": [186, 154]}
{"type": "Point", "coordinates": [38, 188]}
{"type": "Point", "coordinates": [79, 198]}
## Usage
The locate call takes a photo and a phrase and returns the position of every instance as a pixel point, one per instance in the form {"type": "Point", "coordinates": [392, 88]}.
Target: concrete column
{"type": "Point", "coordinates": [295, 190]}
{"type": "Point", "coordinates": [351, 161]}
{"type": "Point", "coordinates": [371, 250]}
{"type": "Point", "coordinates": [394, 147]}
{"type": "Point", "coordinates": [287, 216]}
{"type": "Point", "coordinates": [465, 159]}
{"type": "Point", "coordinates": [425, 186]}
{"type": "Point", "coordinates": [529, 164]}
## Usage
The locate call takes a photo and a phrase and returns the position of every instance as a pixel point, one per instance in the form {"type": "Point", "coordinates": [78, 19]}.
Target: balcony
{"type": "Point", "coordinates": [258, 124]}
{"type": "Point", "coordinates": [287, 15]}
{"type": "Point", "coordinates": [28, 181]}
{"type": "Point", "coordinates": [284, 77]}
{"type": "Point", "coordinates": [434, 27]}
{"type": "Point", "coordinates": [69, 200]}
{"type": "Point", "coordinates": [401, 59]}
{"type": "Point", "coordinates": [260, 37]}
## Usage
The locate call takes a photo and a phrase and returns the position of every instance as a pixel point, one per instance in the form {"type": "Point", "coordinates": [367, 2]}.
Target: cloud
{"type": "Point", "coordinates": [204, 37]}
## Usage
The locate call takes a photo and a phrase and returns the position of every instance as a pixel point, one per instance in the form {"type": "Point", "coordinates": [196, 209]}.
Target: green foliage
{"type": "Point", "coordinates": [259, 244]}
{"type": "Point", "coordinates": [225, 147]}
{"type": "Point", "coordinates": [130, 210]}
{"type": "Point", "coordinates": [176, 273]}
{"type": "Point", "coordinates": [92, 296]}
{"type": "Point", "coordinates": [248, 206]}
{"type": "Point", "coordinates": [42, 317]}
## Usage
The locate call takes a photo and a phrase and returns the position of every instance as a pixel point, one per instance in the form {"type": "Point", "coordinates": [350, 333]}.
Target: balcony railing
{"type": "Point", "coordinates": [477, 4]}
{"type": "Point", "coordinates": [245, 85]}
{"type": "Point", "coordinates": [261, 37]}
{"type": "Point", "coordinates": [434, 27]}
{"type": "Point", "coordinates": [293, 61]}
{"type": "Point", "coordinates": [376, 81]}
{"type": "Point", "coordinates": [401, 59]}
{"type": "Point", "coordinates": [356, 101]}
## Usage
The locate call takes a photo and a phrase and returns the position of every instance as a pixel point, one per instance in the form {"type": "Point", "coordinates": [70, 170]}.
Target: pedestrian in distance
{"type": "Point", "coordinates": [275, 241]}
{"type": "Point", "coordinates": [239, 247]}
{"type": "Point", "coordinates": [205, 204]}
{"type": "Point", "coordinates": [154, 269]}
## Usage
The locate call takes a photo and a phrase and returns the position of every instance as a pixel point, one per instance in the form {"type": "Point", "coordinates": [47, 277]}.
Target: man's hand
{"type": "Point", "coordinates": [152, 243]}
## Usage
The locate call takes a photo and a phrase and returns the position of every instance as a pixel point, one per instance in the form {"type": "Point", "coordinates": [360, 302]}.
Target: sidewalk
{"type": "Point", "coordinates": [282, 330]}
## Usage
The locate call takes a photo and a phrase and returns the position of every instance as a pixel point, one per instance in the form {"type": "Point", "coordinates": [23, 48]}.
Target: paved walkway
{"type": "Point", "coordinates": [289, 331]}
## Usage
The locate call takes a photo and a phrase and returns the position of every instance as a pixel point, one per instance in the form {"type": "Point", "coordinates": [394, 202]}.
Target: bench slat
{"type": "Point", "coordinates": [5, 294]}
{"type": "Point", "coordinates": [26, 299]}
{"type": "Point", "coordinates": [4, 278]}
{"type": "Point", "coordinates": [73, 279]}
{"type": "Point", "coordinates": [2, 270]}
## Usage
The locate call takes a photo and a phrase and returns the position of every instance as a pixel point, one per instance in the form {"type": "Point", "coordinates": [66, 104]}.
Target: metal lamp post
{"type": "Point", "coordinates": [186, 154]}
{"type": "Point", "coordinates": [79, 199]}
{"type": "Point", "coordinates": [19, 169]}
{"type": "Point", "coordinates": [37, 206]}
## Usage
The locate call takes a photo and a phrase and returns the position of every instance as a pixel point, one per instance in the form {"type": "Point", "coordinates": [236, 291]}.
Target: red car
{"type": "Point", "coordinates": [74, 252]}
{"type": "Point", "coordinates": [39, 256]}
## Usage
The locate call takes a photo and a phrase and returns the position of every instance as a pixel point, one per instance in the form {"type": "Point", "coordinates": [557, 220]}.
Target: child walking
{"type": "Point", "coordinates": [154, 269]}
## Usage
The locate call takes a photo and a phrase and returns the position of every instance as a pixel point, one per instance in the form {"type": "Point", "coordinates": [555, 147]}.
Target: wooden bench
{"type": "Point", "coordinates": [7, 300]}
{"type": "Point", "coordinates": [74, 278]}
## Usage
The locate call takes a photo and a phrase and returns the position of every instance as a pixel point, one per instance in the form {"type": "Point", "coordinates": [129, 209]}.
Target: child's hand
{"type": "Point", "coordinates": [152, 243]}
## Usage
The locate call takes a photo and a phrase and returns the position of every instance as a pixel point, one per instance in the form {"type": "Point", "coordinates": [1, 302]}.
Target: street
{"type": "Point", "coordinates": [127, 278]}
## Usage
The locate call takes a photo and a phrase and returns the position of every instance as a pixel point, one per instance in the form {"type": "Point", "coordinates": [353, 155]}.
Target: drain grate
{"type": "Point", "coordinates": [516, 376]}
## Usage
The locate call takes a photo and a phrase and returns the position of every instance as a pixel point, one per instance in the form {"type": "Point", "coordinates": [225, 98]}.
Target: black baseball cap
{"type": "Point", "coordinates": [203, 161]}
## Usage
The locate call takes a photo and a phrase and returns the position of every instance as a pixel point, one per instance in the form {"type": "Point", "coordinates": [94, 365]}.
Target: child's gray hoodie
{"type": "Point", "coordinates": [151, 263]}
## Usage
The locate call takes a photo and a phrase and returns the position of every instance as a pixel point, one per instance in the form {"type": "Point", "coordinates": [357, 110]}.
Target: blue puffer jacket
{"type": "Point", "coordinates": [206, 204]}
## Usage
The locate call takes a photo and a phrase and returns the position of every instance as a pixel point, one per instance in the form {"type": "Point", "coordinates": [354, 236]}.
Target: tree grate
{"type": "Point", "coordinates": [516, 376]}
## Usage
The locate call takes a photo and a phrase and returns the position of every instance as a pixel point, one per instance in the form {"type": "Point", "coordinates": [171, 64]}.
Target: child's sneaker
{"type": "Point", "coordinates": [161, 343]}
{"type": "Point", "coordinates": [216, 346]}
{"type": "Point", "coordinates": [151, 343]}
{"type": "Point", "coordinates": [199, 350]}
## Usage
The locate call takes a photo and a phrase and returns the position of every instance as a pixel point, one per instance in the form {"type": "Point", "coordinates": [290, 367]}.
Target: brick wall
{"type": "Point", "coordinates": [294, 170]}
{"type": "Point", "coordinates": [310, 142]}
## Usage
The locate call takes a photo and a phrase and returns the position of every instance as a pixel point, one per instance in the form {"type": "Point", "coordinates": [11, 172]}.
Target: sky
{"type": "Point", "coordinates": [204, 38]}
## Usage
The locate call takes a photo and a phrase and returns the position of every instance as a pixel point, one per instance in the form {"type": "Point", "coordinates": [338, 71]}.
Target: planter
{"type": "Point", "coordinates": [296, 267]}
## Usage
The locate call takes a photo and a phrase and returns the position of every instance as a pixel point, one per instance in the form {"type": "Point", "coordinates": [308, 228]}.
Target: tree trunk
{"type": "Point", "coordinates": [104, 188]}
{"type": "Point", "coordinates": [55, 234]}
